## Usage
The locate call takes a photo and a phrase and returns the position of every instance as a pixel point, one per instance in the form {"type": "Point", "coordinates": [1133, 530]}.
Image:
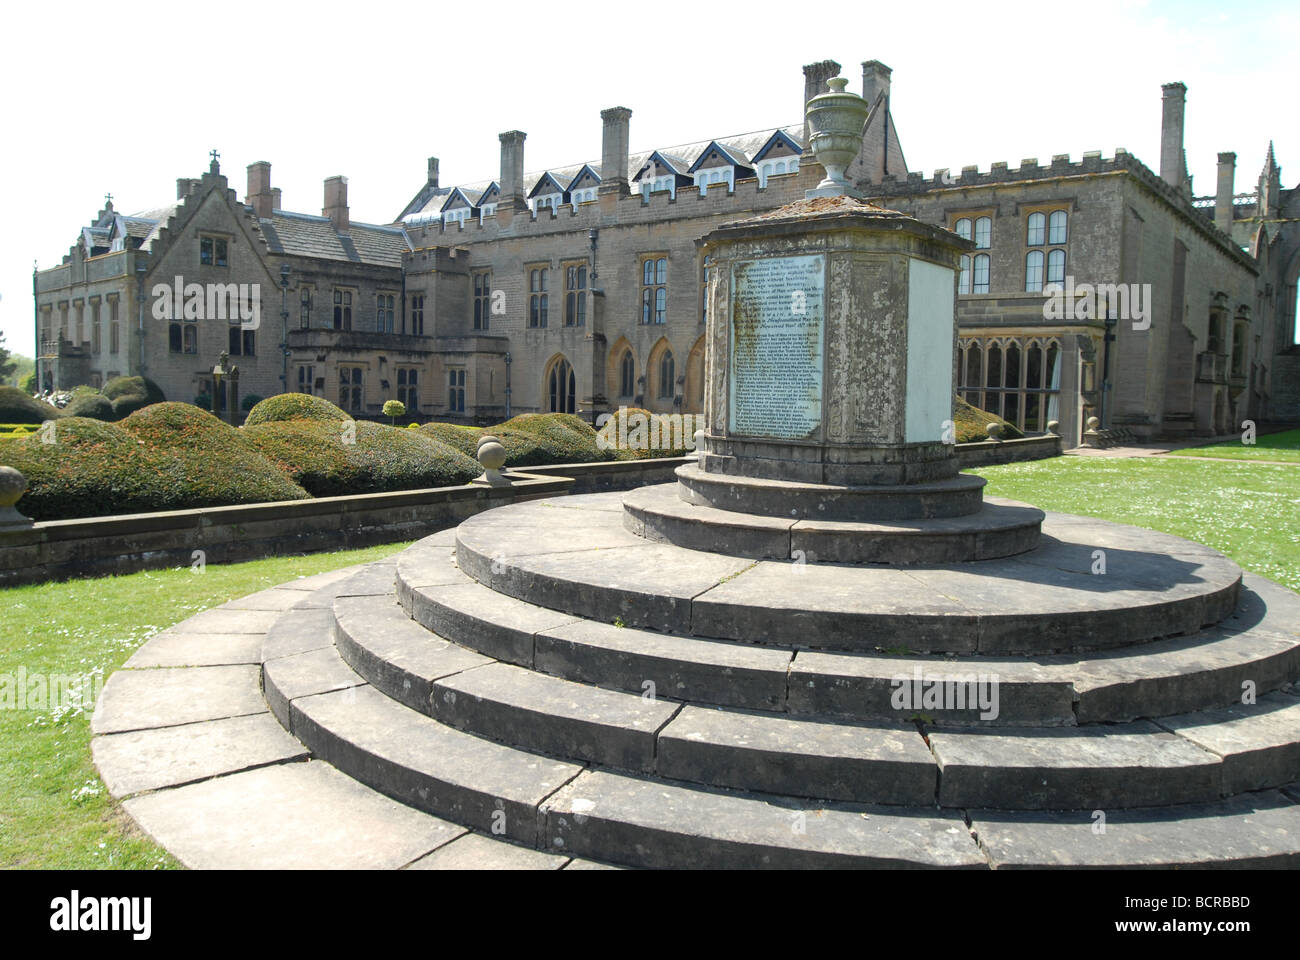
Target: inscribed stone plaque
{"type": "Point", "coordinates": [777, 338]}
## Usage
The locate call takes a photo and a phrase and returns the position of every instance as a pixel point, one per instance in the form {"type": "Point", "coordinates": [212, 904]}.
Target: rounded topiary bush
{"type": "Point", "coordinates": [642, 435]}
{"type": "Point", "coordinates": [294, 406]}
{"type": "Point", "coordinates": [972, 423]}
{"type": "Point", "coordinates": [331, 459]}
{"type": "Point", "coordinates": [18, 407]}
{"type": "Point", "coordinates": [464, 439]}
{"type": "Point", "coordinates": [96, 406]}
{"type": "Point", "coordinates": [171, 424]}
{"type": "Point", "coordinates": [561, 438]}
{"type": "Point", "coordinates": [129, 394]}
{"type": "Point", "coordinates": [93, 469]}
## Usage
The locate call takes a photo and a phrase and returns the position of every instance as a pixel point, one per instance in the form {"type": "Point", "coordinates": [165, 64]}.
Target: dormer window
{"type": "Point", "coordinates": [547, 201]}
{"type": "Point", "coordinates": [775, 168]}
{"type": "Point", "coordinates": [583, 196]}
{"type": "Point", "coordinates": [725, 175]}
{"type": "Point", "coordinates": [487, 210]}
{"type": "Point", "coordinates": [651, 185]}
{"type": "Point", "coordinates": [455, 217]}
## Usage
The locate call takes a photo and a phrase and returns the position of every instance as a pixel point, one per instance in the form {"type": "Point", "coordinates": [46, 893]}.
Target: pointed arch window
{"type": "Point", "coordinates": [626, 374]}
{"type": "Point", "coordinates": [667, 375]}
{"type": "Point", "coordinates": [562, 387]}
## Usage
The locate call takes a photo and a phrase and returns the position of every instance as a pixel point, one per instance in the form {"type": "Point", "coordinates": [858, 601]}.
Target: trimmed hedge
{"type": "Point", "coordinates": [561, 438]}
{"type": "Point", "coordinates": [294, 406]}
{"type": "Point", "coordinates": [172, 425]}
{"type": "Point", "coordinates": [95, 469]}
{"type": "Point", "coordinates": [640, 427]}
{"type": "Point", "coordinates": [96, 406]}
{"type": "Point", "coordinates": [18, 407]}
{"type": "Point", "coordinates": [129, 394]}
{"type": "Point", "coordinates": [972, 423]}
{"type": "Point", "coordinates": [314, 455]}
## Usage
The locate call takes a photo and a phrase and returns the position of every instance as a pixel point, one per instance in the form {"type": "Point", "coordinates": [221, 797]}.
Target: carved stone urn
{"type": "Point", "coordinates": [835, 122]}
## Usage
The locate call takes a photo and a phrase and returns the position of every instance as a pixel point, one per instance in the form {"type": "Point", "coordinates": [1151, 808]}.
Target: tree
{"type": "Point", "coordinates": [7, 364]}
{"type": "Point", "coordinates": [394, 409]}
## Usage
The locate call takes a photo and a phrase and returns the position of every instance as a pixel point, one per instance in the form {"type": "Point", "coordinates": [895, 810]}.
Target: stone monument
{"type": "Point", "coordinates": [829, 386]}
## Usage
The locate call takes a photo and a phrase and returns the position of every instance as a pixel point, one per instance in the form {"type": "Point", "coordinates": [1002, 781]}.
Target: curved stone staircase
{"type": "Point", "coordinates": [545, 676]}
{"type": "Point", "coordinates": [545, 687]}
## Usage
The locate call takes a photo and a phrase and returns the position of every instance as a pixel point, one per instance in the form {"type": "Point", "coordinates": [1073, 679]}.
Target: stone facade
{"type": "Point", "coordinates": [581, 288]}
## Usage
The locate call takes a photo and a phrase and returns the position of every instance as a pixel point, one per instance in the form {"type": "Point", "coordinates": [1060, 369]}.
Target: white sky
{"type": "Point", "coordinates": [126, 98]}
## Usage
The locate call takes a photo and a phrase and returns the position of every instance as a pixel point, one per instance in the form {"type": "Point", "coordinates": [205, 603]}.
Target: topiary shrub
{"type": "Point", "coordinates": [642, 435]}
{"type": "Point", "coordinates": [294, 406]}
{"type": "Point", "coordinates": [394, 409]}
{"type": "Point", "coordinates": [94, 469]}
{"type": "Point", "coordinates": [316, 455]}
{"type": "Point", "coordinates": [972, 423]}
{"type": "Point", "coordinates": [129, 394]}
{"type": "Point", "coordinates": [560, 440]}
{"type": "Point", "coordinates": [464, 439]}
{"type": "Point", "coordinates": [172, 425]}
{"type": "Point", "coordinates": [96, 406]}
{"type": "Point", "coordinates": [18, 407]}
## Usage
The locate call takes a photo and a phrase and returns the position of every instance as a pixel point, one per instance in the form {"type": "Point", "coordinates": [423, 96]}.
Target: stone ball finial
{"type": "Point", "coordinates": [994, 431]}
{"type": "Point", "coordinates": [12, 486]}
{"type": "Point", "coordinates": [492, 454]}
{"type": "Point", "coordinates": [698, 439]}
{"type": "Point", "coordinates": [1054, 426]}
{"type": "Point", "coordinates": [1093, 423]}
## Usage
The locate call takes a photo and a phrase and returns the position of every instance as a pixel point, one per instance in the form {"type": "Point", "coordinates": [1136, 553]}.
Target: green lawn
{"type": "Point", "coordinates": [1250, 511]}
{"type": "Point", "coordinates": [54, 810]}
{"type": "Point", "coordinates": [1272, 446]}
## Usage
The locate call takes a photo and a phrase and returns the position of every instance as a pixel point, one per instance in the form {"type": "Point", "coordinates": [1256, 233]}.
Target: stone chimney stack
{"type": "Point", "coordinates": [512, 170]}
{"type": "Point", "coordinates": [1223, 192]}
{"type": "Point", "coordinates": [433, 172]}
{"type": "Point", "coordinates": [259, 195]}
{"type": "Point", "coordinates": [875, 81]}
{"type": "Point", "coordinates": [336, 202]}
{"type": "Point", "coordinates": [1172, 163]}
{"type": "Point", "coordinates": [613, 151]}
{"type": "Point", "coordinates": [815, 76]}
{"type": "Point", "coordinates": [275, 198]}
{"type": "Point", "coordinates": [183, 187]}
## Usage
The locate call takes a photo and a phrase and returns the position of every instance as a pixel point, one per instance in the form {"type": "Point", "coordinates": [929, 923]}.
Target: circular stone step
{"type": "Point", "coordinates": [953, 497]}
{"type": "Point", "coordinates": [999, 528]}
{"type": "Point", "coordinates": [1090, 584]}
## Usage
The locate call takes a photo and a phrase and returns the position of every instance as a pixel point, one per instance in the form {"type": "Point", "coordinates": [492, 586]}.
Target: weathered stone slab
{"type": "Point", "coordinates": [176, 648]}
{"type": "Point", "coordinates": [1250, 831]}
{"type": "Point", "coordinates": [1259, 742]}
{"type": "Point", "coordinates": [375, 579]}
{"type": "Point", "coordinates": [419, 566]}
{"type": "Point", "coordinates": [292, 816]}
{"type": "Point", "coordinates": [474, 851]}
{"type": "Point", "coordinates": [298, 631]}
{"type": "Point", "coordinates": [804, 758]}
{"type": "Point", "coordinates": [429, 765]}
{"type": "Point", "coordinates": [225, 620]}
{"type": "Point", "coordinates": [170, 756]}
{"type": "Point", "coordinates": [1124, 765]}
{"type": "Point", "coordinates": [273, 599]}
{"type": "Point", "coordinates": [319, 580]}
{"type": "Point", "coordinates": [302, 675]}
{"type": "Point", "coordinates": [684, 668]}
{"type": "Point", "coordinates": [544, 713]}
{"type": "Point", "coordinates": [649, 823]}
{"type": "Point", "coordinates": [834, 607]}
{"type": "Point", "coordinates": [880, 686]}
{"type": "Point", "coordinates": [391, 651]}
{"type": "Point", "coordinates": [481, 619]}
{"type": "Point", "coordinates": [143, 699]}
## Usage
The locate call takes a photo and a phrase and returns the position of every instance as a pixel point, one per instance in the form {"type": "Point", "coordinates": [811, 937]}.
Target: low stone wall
{"type": "Point", "coordinates": [98, 546]}
{"type": "Point", "coordinates": [991, 452]}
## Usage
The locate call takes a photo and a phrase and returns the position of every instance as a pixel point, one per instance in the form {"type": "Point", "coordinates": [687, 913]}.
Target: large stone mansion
{"type": "Point", "coordinates": [580, 289]}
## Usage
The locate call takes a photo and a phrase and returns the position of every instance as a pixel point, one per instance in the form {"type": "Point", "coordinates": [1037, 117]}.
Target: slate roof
{"type": "Point", "coordinates": [304, 235]}
{"type": "Point", "coordinates": [742, 146]}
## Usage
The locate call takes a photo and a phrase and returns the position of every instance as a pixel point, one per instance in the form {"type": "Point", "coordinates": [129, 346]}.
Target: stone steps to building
{"type": "Point", "coordinates": [1000, 528]}
{"type": "Point", "coordinates": [1089, 585]}
{"type": "Point", "coordinates": [1257, 647]}
{"type": "Point", "coordinates": [664, 819]}
{"type": "Point", "coordinates": [1133, 763]}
